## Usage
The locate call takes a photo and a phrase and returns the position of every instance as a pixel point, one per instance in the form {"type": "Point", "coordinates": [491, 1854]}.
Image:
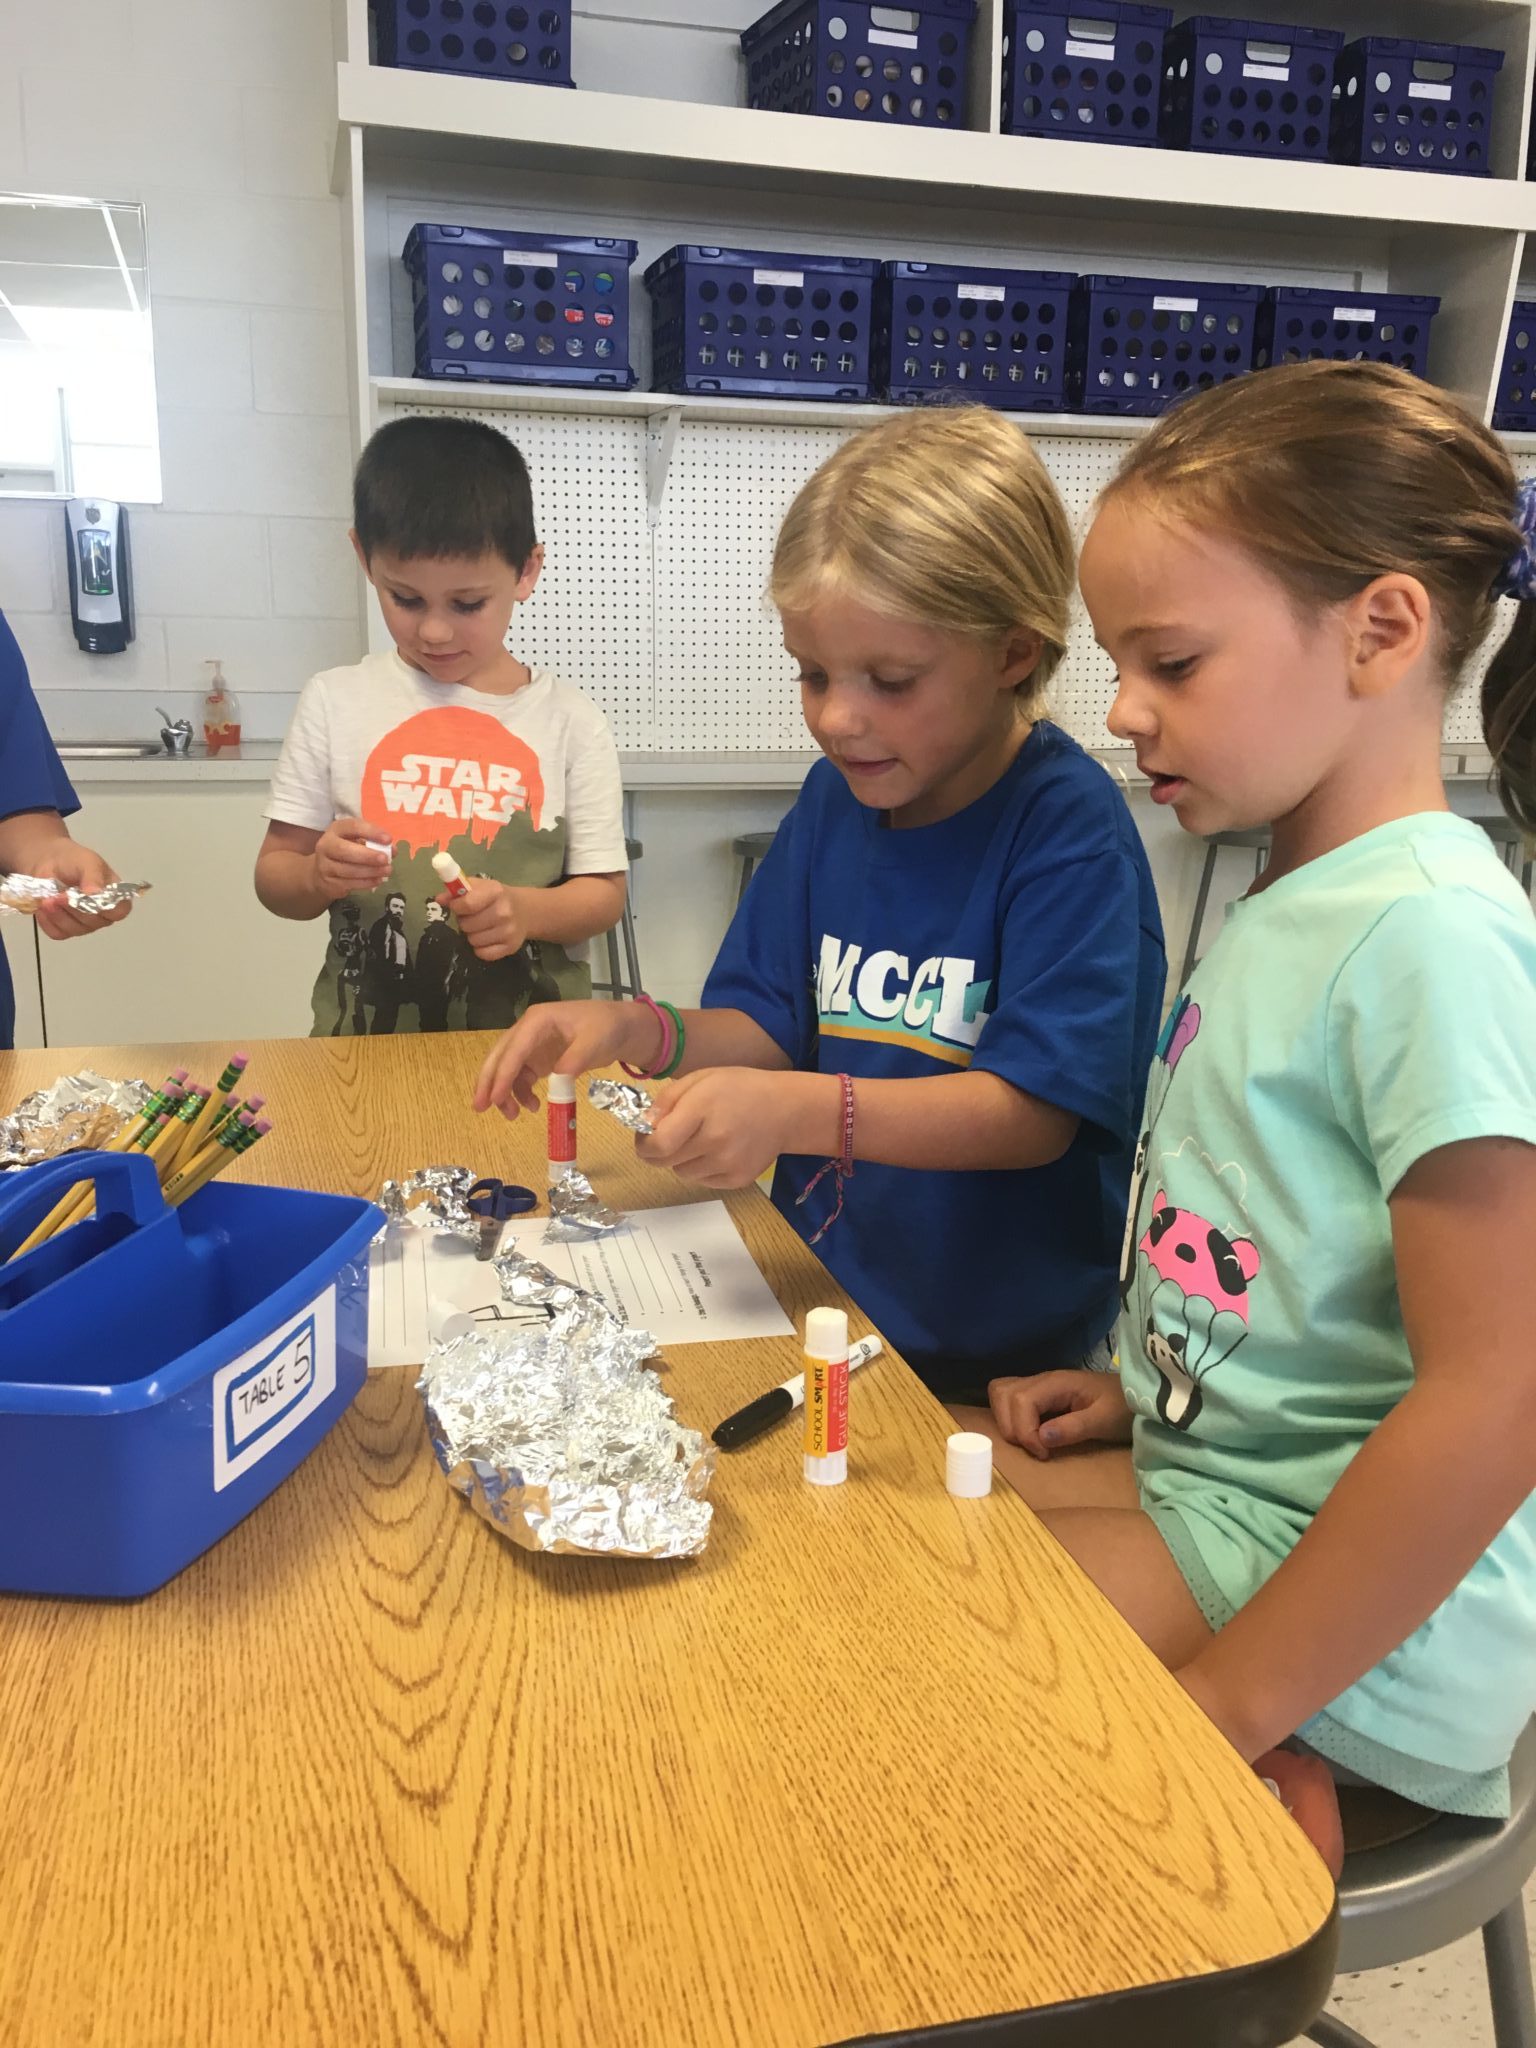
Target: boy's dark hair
{"type": "Point", "coordinates": [432, 488]}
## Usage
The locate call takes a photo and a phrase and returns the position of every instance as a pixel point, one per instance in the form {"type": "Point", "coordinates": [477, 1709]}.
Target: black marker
{"type": "Point", "coordinates": [767, 1409]}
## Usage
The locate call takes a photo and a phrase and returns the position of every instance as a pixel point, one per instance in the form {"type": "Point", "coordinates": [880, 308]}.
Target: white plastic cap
{"type": "Point", "coordinates": [826, 1332]}
{"type": "Point", "coordinates": [446, 867]}
{"type": "Point", "coordinates": [968, 1464]}
{"type": "Point", "coordinates": [562, 1088]}
{"type": "Point", "coordinates": [446, 1320]}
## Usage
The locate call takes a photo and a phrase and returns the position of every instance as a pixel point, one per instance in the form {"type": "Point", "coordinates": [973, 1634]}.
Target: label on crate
{"type": "Point", "coordinates": [786, 277]}
{"type": "Point", "coordinates": [532, 259]}
{"type": "Point", "coordinates": [263, 1396]}
{"type": "Point", "coordinates": [1421, 89]}
{"type": "Point", "coordinates": [893, 38]}
{"type": "Point", "coordinates": [1367, 313]}
{"type": "Point", "coordinates": [1175, 305]}
{"type": "Point", "coordinates": [981, 294]}
{"type": "Point", "coordinates": [1105, 52]}
{"type": "Point", "coordinates": [1277, 71]}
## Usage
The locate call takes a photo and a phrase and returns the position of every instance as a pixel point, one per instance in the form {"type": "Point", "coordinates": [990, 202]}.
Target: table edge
{"type": "Point", "coordinates": [1254, 2005]}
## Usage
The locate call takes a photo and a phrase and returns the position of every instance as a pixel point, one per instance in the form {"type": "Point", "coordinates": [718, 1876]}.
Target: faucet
{"type": "Point", "coordinates": [175, 734]}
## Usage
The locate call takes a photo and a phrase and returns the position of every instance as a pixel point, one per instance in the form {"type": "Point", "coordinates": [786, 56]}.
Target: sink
{"type": "Point", "coordinates": [110, 750]}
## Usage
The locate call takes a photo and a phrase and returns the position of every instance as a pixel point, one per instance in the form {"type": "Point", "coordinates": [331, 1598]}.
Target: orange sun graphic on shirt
{"type": "Point", "coordinates": [446, 774]}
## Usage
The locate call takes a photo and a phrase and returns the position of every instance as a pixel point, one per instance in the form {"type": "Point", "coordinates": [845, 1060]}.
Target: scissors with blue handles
{"type": "Point", "coordinates": [493, 1202]}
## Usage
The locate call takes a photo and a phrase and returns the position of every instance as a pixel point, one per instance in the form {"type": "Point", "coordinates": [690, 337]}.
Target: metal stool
{"type": "Point", "coordinates": [1453, 1876]}
{"type": "Point", "coordinates": [1514, 848]}
{"type": "Point", "coordinates": [623, 981]}
{"type": "Point", "coordinates": [750, 848]}
{"type": "Point", "coordinates": [1258, 841]}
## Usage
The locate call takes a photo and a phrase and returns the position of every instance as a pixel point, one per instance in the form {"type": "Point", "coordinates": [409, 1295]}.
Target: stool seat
{"type": "Point", "coordinates": [1451, 1878]}
{"type": "Point", "coordinates": [1254, 839]}
{"type": "Point", "coordinates": [752, 845]}
{"type": "Point", "coordinates": [634, 848]}
{"type": "Point", "coordinates": [1252, 836]}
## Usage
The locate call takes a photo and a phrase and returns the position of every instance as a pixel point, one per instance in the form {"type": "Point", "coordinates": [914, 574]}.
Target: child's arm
{"type": "Point", "coordinates": [300, 873]}
{"type": "Point", "coordinates": [574, 1038]}
{"type": "Point", "coordinates": [39, 843]}
{"type": "Point", "coordinates": [726, 1126]}
{"type": "Point", "coordinates": [1434, 1483]}
{"type": "Point", "coordinates": [498, 917]}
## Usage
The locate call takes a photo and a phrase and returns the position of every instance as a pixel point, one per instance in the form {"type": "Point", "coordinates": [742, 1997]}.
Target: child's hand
{"type": "Point", "coordinates": [566, 1038]}
{"type": "Point", "coordinates": [346, 860]}
{"type": "Point", "coordinates": [720, 1127]}
{"type": "Point", "coordinates": [74, 866]}
{"type": "Point", "coordinates": [1052, 1410]}
{"type": "Point", "coordinates": [487, 915]}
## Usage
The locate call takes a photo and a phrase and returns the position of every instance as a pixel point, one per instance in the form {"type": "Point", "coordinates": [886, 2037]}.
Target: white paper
{"type": "Point", "coordinates": [1175, 305]}
{"type": "Point", "coordinates": [790, 277]}
{"type": "Point", "coordinates": [1354, 312]}
{"type": "Point", "coordinates": [893, 37]}
{"type": "Point", "coordinates": [1104, 52]}
{"type": "Point", "coordinates": [681, 1273]}
{"type": "Point", "coordinates": [1278, 71]}
{"type": "Point", "coordinates": [980, 294]}
{"type": "Point", "coordinates": [1421, 89]}
{"type": "Point", "coordinates": [532, 259]}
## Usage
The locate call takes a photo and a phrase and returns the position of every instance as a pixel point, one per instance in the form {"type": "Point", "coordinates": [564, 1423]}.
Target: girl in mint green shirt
{"type": "Point", "coordinates": [1326, 1525]}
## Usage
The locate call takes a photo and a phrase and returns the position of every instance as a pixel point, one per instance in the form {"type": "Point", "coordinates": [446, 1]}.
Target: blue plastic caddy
{"type": "Point", "coordinates": [162, 1370]}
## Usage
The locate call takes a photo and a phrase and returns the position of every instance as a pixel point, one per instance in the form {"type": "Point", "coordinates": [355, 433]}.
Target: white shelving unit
{"type": "Point", "coordinates": [431, 146]}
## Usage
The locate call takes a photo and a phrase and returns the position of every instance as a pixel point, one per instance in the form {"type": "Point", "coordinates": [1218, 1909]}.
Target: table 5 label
{"type": "Point", "coordinates": [263, 1395]}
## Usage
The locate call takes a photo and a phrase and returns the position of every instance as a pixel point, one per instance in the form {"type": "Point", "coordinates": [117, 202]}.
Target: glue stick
{"type": "Point", "coordinates": [826, 1396]}
{"type": "Point", "coordinates": [450, 874]}
{"type": "Point", "coordinates": [560, 1108]}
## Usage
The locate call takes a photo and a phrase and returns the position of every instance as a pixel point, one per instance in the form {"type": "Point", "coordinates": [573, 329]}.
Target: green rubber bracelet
{"type": "Point", "coordinates": [665, 1073]}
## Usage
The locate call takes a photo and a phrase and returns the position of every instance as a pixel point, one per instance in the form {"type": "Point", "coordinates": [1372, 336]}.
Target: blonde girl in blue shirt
{"type": "Point", "coordinates": [1328, 1349]}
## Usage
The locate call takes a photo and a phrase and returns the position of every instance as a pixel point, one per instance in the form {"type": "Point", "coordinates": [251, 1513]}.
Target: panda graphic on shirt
{"type": "Point", "coordinates": [1184, 1276]}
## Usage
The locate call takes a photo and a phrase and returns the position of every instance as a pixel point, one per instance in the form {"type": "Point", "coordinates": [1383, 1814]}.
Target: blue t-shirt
{"type": "Point", "coordinates": [32, 777]}
{"type": "Point", "coordinates": [1021, 937]}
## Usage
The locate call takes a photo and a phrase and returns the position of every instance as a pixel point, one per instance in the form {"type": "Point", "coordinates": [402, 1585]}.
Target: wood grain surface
{"type": "Point", "coordinates": [368, 1775]}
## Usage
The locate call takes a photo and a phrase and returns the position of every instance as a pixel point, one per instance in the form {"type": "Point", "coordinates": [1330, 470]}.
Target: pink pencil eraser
{"type": "Point", "coordinates": [262, 1127]}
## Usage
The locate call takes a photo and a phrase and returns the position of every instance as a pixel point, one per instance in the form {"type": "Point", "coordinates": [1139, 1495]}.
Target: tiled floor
{"type": "Point", "coordinates": [1441, 2001]}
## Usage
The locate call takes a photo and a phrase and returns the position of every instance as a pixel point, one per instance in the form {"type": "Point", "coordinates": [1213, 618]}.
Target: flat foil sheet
{"type": "Point", "coordinates": [578, 1213]}
{"type": "Point", "coordinates": [632, 1106]}
{"type": "Point", "coordinates": [75, 1113]}
{"type": "Point", "coordinates": [564, 1440]}
{"type": "Point", "coordinates": [23, 894]}
{"type": "Point", "coordinates": [432, 1198]}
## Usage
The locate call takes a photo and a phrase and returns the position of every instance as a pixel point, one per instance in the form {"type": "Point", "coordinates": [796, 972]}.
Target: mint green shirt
{"type": "Point", "coordinates": [1359, 1013]}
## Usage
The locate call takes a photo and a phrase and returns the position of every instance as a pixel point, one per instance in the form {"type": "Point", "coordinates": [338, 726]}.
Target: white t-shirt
{"type": "Point", "coordinates": [524, 788]}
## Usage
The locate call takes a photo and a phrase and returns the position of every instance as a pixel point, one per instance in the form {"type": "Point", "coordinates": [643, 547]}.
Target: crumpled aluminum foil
{"type": "Point", "coordinates": [578, 1213]}
{"type": "Point", "coordinates": [21, 894]}
{"type": "Point", "coordinates": [574, 1314]}
{"type": "Point", "coordinates": [432, 1198]}
{"type": "Point", "coordinates": [561, 1437]}
{"type": "Point", "coordinates": [78, 1111]}
{"type": "Point", "coordinates": [632, 1106]}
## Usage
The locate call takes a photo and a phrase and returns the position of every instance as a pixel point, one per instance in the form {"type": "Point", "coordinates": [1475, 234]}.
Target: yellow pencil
{"type": "Point", "coordinates": [227, 1080]}
{"type": "Point", "coordinates": [212, 1161]}
{"type": "Point", "coordinates": [71, 1208]}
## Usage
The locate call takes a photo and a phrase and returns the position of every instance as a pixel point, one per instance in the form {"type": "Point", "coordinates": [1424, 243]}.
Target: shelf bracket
{"type": "Point", "coordinates": [661, 430]}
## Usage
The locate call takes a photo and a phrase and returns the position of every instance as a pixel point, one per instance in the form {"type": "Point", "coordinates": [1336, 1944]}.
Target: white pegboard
{"type": "Point", "coordinates": [591, 618]}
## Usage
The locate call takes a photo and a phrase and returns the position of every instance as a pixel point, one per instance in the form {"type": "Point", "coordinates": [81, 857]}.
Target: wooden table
{"type": "Point", "coordinates": [879, 1763]}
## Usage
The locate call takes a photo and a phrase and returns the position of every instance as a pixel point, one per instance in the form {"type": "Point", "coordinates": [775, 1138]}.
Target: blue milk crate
{"type": "Point", "coordinates": [162, 1370]}
{"type": "Point", "coordinates": [506, 308]}
{"type": "Point", "coordinates": [862, 63]}
{"type": "Point", "coordinates": [1134, 344]}
{"type": "Point", "coordinates": [761, 324]}
{"type": "Point", "coordinates": [1514, 404]}
{"type": "Point", "coordinates": [474, 38]}
{"type": "Point", "coordinates": [1305, 323]}
{"type": "Point", "coordinates": [1412, 106]}
{"type": "Point", "coordinates": [1250, 88]}
{"type": "Point", "coordinates": [996, 335]}
{"type": "Point", "coordinates": [1095, 75]}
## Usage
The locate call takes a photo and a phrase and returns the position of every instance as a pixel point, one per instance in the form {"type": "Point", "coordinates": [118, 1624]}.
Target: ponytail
{"type": "Point", "coordinates": [1509, 719]}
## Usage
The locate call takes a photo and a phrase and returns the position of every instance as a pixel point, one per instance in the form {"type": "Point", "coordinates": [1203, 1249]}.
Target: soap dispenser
{"type": "Point", "coordinates": [221, 711]}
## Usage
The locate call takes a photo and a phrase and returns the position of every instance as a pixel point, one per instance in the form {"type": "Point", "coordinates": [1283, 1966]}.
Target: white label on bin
{"type": "Point", "coordinates": [894, 38]}
{"type": "Point", "coordinates": [792, 277]}
{"type": "Point", "coordinates": [1354, 312]}
{"type": "Point", "coordinates": [1175, 305]}
{"type": "Point", "coordinates": [263, 1396]}
{"type": "Point", "coordinates": [980, 294]}
{"type": "Point", "coordinates": [1103, 52]}
{"type": "Point", "coordinates": [532, 259]}
{"type": "Point", "coordinates": [1421, 89]}
{"type": "Point", "coordinates": [1279, 71]}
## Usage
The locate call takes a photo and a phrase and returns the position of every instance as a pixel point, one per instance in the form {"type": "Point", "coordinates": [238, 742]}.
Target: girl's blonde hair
{"type": "Point", "coordinates": [942, 518]}
{"type": "Point", "coordinates": [1332, 474]}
